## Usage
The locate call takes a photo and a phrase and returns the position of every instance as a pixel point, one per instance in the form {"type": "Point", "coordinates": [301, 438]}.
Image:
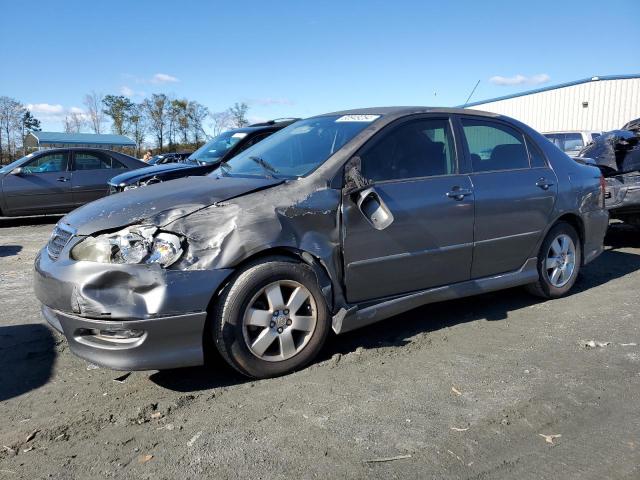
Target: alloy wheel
{"type": "Point", "coordinates": [561, 260]}
{"type": "Point", "coordinates": [276, 329]}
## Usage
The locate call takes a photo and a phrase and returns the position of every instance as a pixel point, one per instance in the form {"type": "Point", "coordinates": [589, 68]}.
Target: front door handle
{"type": "Point", "coordinates": [543, 184]}
{"type": "Point", "coordinates": [63, 179]}
{"type": "Point", "coordinates": [458, 193]}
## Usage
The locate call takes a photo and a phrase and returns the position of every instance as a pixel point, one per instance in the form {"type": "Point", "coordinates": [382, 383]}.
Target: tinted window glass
{"type": "Point", "coordinates": [421, 148]}
{"type": "Point", "coordinates": [494, 146]}
{"type": "Point", "coordinates": [572, 141]}
{"type": "Point", "coordinates": [299, 148]}
{"type": "Point", "coordinates": [535, 154]}
{"type": "Point", "coordinates": [215, 149]}
{"type": "Point", "coordinates": [53, 162]}
{"type": "Point", "coordinates": [91, 161]}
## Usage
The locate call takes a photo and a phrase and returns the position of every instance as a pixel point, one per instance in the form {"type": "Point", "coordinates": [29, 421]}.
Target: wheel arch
{"type": "Point", "coordinates": [275, 253]}
{"type": "Point", "coordinates": [576, 222]}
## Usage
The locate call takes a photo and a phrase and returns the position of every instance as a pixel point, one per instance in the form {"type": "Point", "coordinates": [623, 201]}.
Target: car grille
{"type": "Point", "coordinates": [59, 238]}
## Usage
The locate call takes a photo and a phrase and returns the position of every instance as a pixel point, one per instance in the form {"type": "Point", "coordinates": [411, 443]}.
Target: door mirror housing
{"type": "Point", "coordinates": [17, 171]}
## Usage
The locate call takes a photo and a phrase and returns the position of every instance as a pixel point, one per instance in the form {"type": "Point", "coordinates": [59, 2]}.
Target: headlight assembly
{"type": "Point", "coordinates": [132, 245]}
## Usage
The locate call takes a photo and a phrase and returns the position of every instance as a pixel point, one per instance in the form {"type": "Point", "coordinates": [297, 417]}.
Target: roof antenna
{"type": "Point", "coordinates": [469, 97]}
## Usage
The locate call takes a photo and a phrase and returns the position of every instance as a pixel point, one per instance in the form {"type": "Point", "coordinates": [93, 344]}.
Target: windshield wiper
{"type": "Point", "coordinates": [266, 166]}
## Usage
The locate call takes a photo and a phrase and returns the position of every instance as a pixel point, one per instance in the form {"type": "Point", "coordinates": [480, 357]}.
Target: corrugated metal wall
{"type": "Point", "coordinates": [611, 104]}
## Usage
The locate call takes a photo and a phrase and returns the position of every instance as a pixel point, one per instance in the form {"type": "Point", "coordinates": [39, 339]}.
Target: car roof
{"type": "Point", "coordinates": [66, 149]}
{"type": "Point", "coordinates": [408, 110]}
{"type": "Point", "coordinates": [264, 126]}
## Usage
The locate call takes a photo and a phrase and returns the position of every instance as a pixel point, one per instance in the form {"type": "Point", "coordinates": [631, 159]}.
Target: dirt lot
{"type": "Point", "coordinates": [497, 386]}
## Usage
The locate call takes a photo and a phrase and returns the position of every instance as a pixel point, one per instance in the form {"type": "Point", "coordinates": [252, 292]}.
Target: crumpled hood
{"type": "Point", "coordinates": [160, 203]}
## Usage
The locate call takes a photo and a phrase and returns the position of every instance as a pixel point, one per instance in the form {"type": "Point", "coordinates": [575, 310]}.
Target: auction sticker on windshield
{"type": "Point", "coordinates": [358, 118]}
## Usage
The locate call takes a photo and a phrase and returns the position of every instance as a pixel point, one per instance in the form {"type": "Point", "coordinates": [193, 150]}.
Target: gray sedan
{"type": "Point", "coordinates": [332, 223]}
{"type": "Point", "coordinates": [59, 180]}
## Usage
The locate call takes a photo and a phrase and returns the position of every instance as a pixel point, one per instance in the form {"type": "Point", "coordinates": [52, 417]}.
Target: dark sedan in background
{"type": "Point", "coordinates": [204, 160]}
{"type": "Point", "coordinates": [59, 180]}
{"type": "Point", "coordinates": [172, 157]}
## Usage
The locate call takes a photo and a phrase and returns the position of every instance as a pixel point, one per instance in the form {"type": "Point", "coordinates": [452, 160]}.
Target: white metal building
{"type": "Point", "coordinates": [597, 103]}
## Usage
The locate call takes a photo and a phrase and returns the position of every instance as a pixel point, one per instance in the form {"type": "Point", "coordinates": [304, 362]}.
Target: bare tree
{"type": "Point", "coordinates": [137, 126]}
{"type": "Point", "coordinates": [156, 109]}
{"type": "Point", "coordinates": [196, 114]}
{"type": "Point", "coordinates": [239, 114]}
{"type": "Point", "coordinates": [11, 112]}
{"type": "Point", "coordinates": [73, 122]}
{"type": "Point", "coordinates": [93, 103]}
{"type": "Point", "coordinates": [220, 121]}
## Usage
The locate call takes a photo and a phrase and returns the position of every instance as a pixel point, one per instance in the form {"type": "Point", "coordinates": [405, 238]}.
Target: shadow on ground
{"type": "Point", "coordinates": [396, 331]}
{"type": "Point", "coordinates": [10, 250]}
{"type": "Point", "coordinates": [27, 355]}
{"type": "Point", "coordinates": [6, 222]}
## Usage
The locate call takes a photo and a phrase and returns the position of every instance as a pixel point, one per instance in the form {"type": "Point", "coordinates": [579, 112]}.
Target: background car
{"type": "Point", "coordinates": [617, 154]}
{"type": "Point", "coordinates": [173, 157]}
{"type": "Point", "coordinates": [59, 180]}
{"type": "Point", "coordinates": [204, 160]}
{"type": "Point", "coordinates": [571, 142]}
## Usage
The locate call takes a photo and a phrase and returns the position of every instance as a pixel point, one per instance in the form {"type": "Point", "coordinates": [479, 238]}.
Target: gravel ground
{"type": "Point", "coordinates": [496, 386]}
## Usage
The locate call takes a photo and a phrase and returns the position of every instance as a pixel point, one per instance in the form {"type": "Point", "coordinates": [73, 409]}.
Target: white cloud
{"type": "Point", "coordinates": [45, 108]}
{"type": "Point", "coordinates": [54, 113]}
{"type": "Point", "coordinates": [163, 78]}
{"type": "Point", "coordinates": [130, 92]}
{"type": "Point", "coordinates": [519, 79]}
{"type": "Point", "coordinates": [267, 102]}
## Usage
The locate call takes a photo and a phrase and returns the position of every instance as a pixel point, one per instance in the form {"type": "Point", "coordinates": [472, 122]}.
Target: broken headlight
{"type": "Point", "coordinates": [132, 245]}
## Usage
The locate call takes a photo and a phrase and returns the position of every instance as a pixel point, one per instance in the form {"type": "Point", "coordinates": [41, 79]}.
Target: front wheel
{"type": "Point", "coordinates": [271, 319]}
{"type": "Point", "coordinates": [559, 262]}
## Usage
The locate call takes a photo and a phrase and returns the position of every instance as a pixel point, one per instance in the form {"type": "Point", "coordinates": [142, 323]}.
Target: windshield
{"type": "Point", "coordinates": [215, 149]}
{"type": "Point", "coordinates": [297, 149]}
{"type": "Point", "coordinates": [14, 164]}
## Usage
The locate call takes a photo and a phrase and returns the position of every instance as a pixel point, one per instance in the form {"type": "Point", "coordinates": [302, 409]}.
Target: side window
{"type": "Point", "coordinates": [116, 164]}
{"type": "Point", "coordinates": [252, 141]}
{"type": "Point", "coordinates": [494, 146]}
{"type": "Point", "coordinates": [573, 142]}
{"type": "Point", "coordinates": [421, 148]}
{"type": "Point", "coordinates": [535, 155]}
{"type": "Point", "coordinates": [91, 161]}
{"type": "Point", "coordinates": [53, 162]}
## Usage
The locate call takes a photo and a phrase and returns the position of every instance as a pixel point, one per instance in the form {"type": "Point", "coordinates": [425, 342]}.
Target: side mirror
{"type": "Point", "coordinates": [17, 171]}
{"type": "Point", "coordinates": [374, 209]}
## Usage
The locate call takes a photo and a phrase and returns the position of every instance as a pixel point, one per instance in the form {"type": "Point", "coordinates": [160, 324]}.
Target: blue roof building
{"type": "Point", "coordinates": [40, 140]}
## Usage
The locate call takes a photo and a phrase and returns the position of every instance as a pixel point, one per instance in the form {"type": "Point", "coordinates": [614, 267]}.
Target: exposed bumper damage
{"type": "Point", "coordinates": [617, 154]}
{"type": "Point", "coordinates": [133, 317]}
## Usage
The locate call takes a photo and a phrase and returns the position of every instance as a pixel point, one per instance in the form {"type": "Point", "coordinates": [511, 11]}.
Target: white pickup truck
{"type": "Point", "coordinates": [572, 141]}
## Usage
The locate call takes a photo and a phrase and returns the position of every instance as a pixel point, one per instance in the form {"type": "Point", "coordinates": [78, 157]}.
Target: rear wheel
{"type": "Point", "coordinates": [559, 262]}
{"type": "Point", "coordinates": [271, 319]}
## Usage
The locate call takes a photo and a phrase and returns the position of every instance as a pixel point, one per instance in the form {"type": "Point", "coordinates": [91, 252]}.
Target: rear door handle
{"type": "Point", "coordinates": [459, 193]}
{"type": "Point", "coordinates": [544, 184]}
{"type": "Point", "coordinates": [63, 179]}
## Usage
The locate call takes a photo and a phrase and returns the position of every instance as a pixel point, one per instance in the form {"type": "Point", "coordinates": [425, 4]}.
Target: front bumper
{"type": "Point", "coordinates": [159, 343]}
{"type": "Point", "coordinates": [169, 307]}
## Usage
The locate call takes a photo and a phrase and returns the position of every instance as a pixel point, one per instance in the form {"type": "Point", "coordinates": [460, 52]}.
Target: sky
{"type": "Point", "coordinates": [299, 58]}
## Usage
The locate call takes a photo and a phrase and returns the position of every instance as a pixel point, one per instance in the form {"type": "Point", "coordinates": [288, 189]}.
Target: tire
{"type": "Point", "coordinates": [547, 286]}
{"type": "Point", "coordinates": [255, 332]}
